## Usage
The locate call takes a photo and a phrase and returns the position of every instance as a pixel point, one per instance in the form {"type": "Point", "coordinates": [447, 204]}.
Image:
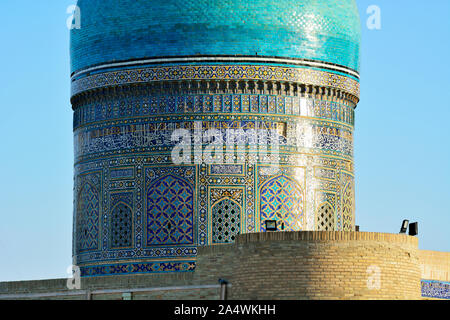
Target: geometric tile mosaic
{"type": "Point", "coordinates": [170, 211]}
{"type": "Point", "coordinates": [347, 208]}
{"type": "Point", "coordinates": [207, 72]}
{"type": "Point", "coordinates": [226, 217]}
{"type": "Point", "coordinates": [87, 218]}
{"type": "Point", "coordinates": [281, 199]}
{"type": "Point", "coordinates": [137, 268]}
{"type": "Point", "coordinates": [121, 226]}
{"type": "Point", "coordinates": [325, 218]}
{"type": "Point", "coordinates": [125, 105]}
{"type": "Point", "coordinates": [435, 289]}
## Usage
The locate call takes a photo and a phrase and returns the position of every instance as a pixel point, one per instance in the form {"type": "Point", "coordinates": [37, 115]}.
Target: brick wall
{"type": "Point", "coordinates": [280, 265]}
{"type": "Point", "coordinates": [326, 265]}
{"type": "Point", "coordinates": [163, 286]}
{"type": "Point", "coordinates": [435, 265]}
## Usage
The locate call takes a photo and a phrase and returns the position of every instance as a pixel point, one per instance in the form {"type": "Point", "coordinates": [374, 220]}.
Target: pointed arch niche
{"type": "Point", "coordinates": [282, 199]}
{"type": "Point", "coordinates": [325, 217]}
{"type": "Point", "coordinates": [121, 226]}
{"type": "Point", "coordinates": [87, 219]}
{"type": "Point", "coordinates": [226, 220]}
{"type": "Point", "coordinates": [170, 212]}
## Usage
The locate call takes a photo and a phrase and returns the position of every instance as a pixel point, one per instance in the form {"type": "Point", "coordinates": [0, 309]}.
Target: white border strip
{"type": "Point", "coordinates": [222, 59]}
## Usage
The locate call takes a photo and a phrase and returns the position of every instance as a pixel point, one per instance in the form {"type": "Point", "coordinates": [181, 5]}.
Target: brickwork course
{"type": "Point", "coordinates": [273, 265]}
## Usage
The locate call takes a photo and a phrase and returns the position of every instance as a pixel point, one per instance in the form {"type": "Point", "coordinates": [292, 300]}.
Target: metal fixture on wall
{"type": "Point", "coordinates": [223, 289]}
{"type": "Point", "coordinates": [414, 229]}
{"type": "Point", "coordinates": [271, 225]}
{"type": "Point", "coordinates": [404, 227]}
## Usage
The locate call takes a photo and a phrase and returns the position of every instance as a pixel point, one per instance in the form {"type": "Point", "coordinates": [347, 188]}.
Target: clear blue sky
{"type": "Point", "coordinates": [402, 130]}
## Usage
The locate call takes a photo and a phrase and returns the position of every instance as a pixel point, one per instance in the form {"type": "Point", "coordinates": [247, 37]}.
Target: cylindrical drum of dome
{"type": "Point", "coordinates": [195, 121]}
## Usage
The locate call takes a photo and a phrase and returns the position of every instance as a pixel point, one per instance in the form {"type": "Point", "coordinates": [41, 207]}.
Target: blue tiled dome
{"type": "Point", "coordinates": [118, 30]}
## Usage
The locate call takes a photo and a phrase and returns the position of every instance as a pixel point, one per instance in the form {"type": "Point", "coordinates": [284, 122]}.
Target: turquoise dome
{"type": "Point", "coordinates": [121, 30]}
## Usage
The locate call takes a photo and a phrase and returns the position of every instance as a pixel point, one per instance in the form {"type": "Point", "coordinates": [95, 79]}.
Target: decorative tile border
{"type": "Point", "coordinates": [218, 59]}
{"type": "Point", "coordinates": [435, 289]}
{"type": "Point", "coordinates": [121, 106]}
{"type": "Point", "coordinates": [216, 72]}
{"type": "Point", "coordinates": [137, 268]}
